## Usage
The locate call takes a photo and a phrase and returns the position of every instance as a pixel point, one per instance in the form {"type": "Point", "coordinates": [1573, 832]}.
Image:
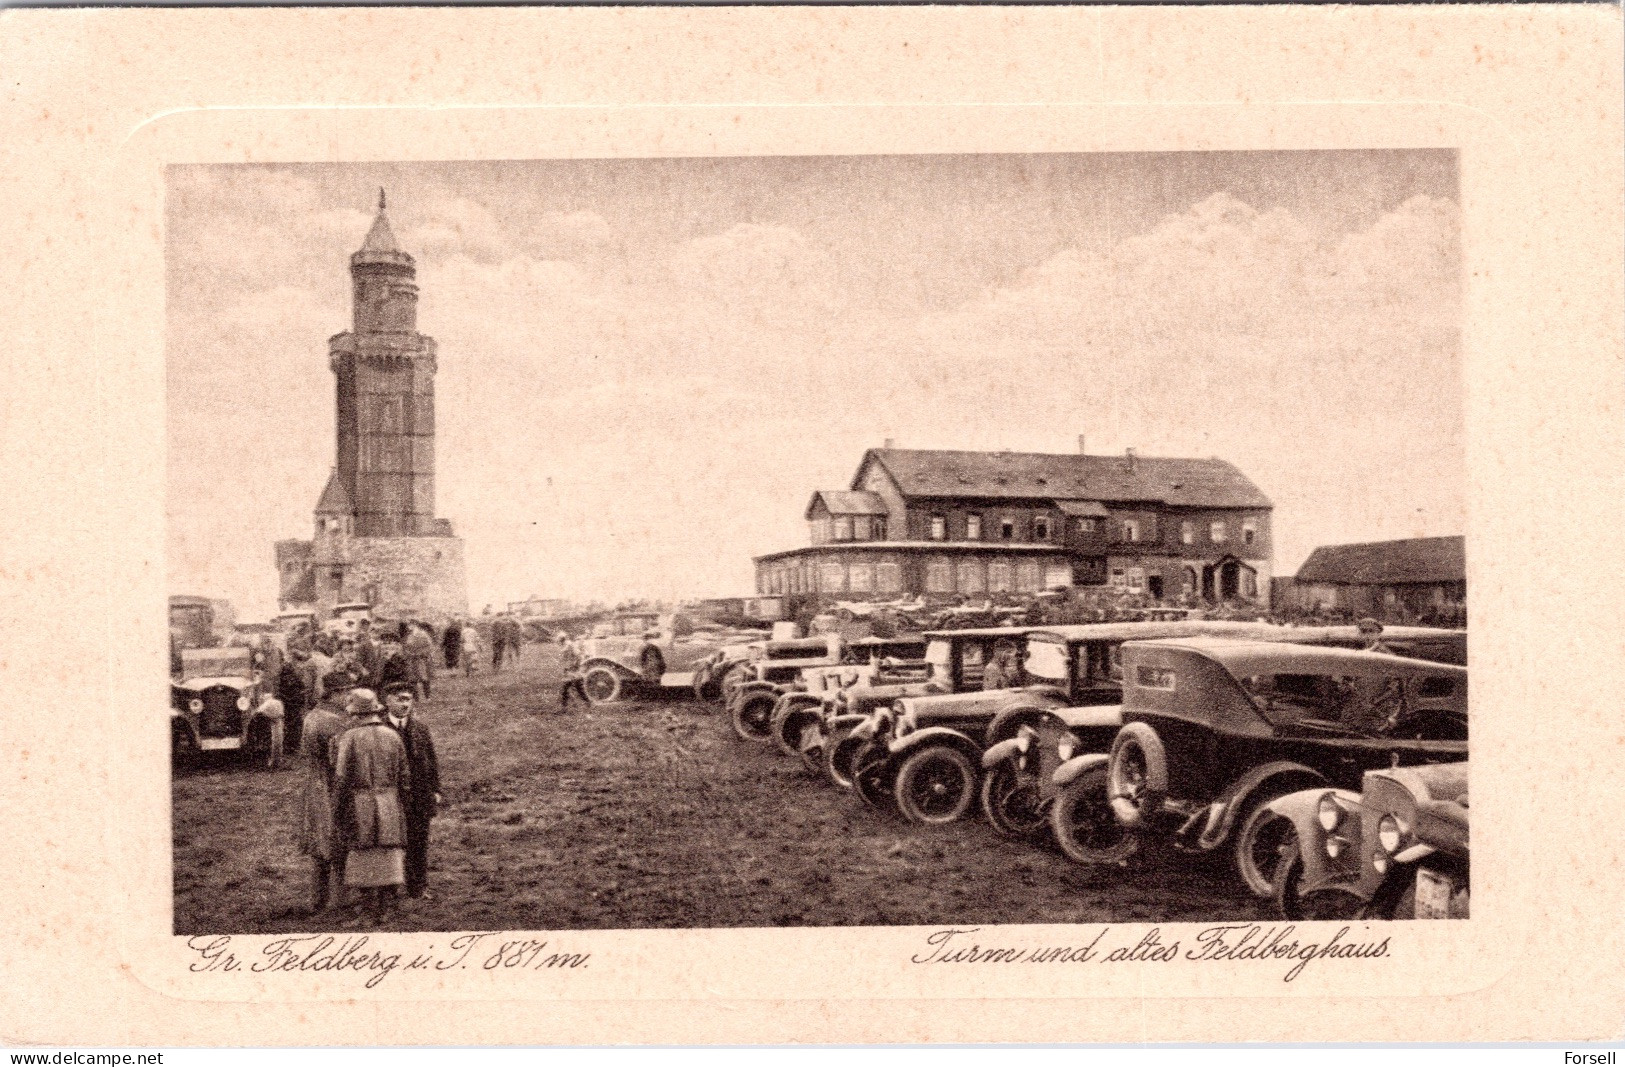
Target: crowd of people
{"type": "Point", "coordinates": [372, 787]}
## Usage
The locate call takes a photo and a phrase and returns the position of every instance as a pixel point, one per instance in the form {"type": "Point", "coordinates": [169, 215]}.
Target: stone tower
{"type": "Point", "coordinates": [377, 538]}
{"type": "Point", "coordinates": [385, 384]}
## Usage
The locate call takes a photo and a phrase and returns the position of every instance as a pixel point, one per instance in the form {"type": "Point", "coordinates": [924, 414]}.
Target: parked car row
{"type": "Point", "coordinates": [1201, 735]}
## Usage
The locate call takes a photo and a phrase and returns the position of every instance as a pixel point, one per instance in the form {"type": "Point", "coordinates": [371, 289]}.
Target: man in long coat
{"type": "Point", "coordinates": [423, 799]}
{"type": "Point", "coordinates": [371, 782]}
{"type": "Point", "coordinates": [317, 746]}
{"type": "Point", "coordinates": [419, 648]}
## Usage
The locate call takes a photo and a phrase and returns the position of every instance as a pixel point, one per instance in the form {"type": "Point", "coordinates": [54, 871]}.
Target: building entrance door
{"type": "Point", "coordinates": [1153, 586]}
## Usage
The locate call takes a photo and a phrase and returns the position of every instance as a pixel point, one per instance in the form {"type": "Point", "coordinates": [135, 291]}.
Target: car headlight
{"type": "Point", "coordinates": [195, 705]}
{"type": "Point", "coordinates": [1334, 847]}
{"type": "Point", "coordinates": [1379, 862]}
{"type": "Point", "coordinates": [1388, 834]}
{"type": "Point", "coordinates": [1066, 748]}
{"type": "Point", "coordinates": [1329, 813]}
{"type": "Point", "coordinates": [242, 703]}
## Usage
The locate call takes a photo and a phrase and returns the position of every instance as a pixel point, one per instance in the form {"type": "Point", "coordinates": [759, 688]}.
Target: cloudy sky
{"type": "Point", "coordinates": [646, 366]}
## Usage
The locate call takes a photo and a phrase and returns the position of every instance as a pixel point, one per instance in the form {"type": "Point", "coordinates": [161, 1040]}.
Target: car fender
{"type": "Point", "coordinates": [935, 735]}
{"type": "Point", "coordinates": [1029, 708]}
{"type": "Point", "coordinates": [609, 664]}
{"type": "Point", "coordinates": [1243, 789]}
{"type": "Point", "coordinates": [1303, 808]}
{"type": "Point", "coordinates": [843, 722]}
{"type": "Point", "coordinates": [177, 717]}
{"type": "Point", "coordinates": [796, 701]}
{"type": "Point", "coordinates": [749, 689]}
{"type": "Point", "coordinates": [1068, 772]}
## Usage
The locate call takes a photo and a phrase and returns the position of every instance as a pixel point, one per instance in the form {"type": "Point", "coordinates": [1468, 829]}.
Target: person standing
{"type": "Point", "coordinates": [274, 712]}
{"type": "Point", "coordinates": [423, 798]}
{"type": "Point", "coordinates": [366, 650]}
{"type": "Point", "coordinates": [322, 728]}
{"type": "Point", "coordinates": [371, 783]}
{"type": "Point", "coordinates": [419, 648]}
{"type": "Point", "coordinates": [393, 665]}
{"type": "Point", "coordinates": [451, 643]}
{"type": "Point", "coordinates": [499, 642]}
{"type": "Point", "coordinates": [471, 648]}
{"type": "Point", "coordinates": [570, 671]}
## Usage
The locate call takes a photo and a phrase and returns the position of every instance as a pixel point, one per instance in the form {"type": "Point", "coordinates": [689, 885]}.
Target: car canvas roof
{"type": "Point", "coordinates": [1152, 629]}
{"type": "Point", "coordinates": [1246, 658]}
{"type": "Point", "coordinates": [988, 631]}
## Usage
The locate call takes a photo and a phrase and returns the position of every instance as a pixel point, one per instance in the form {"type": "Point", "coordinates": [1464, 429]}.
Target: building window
{"type": "Point", "coordinates": [861, 578]}
{"type": "Point", "coordinates": [860, 528]}
{"type": "Point", "coordinates": [939, 578]}
{"type": "Point", "coordinates": [890, 578]}
{"type": "Point", "coordinates": [1007, 528]}
{"type": "Point", "coordinates": [1218, 533]}
{"type": "Point", "coordinates": [1119, 578]}
{"type": "Point", "coordinates": [1187, 533]}
{"type": "Point", "coordinates": [1249, 583]}
{"type": "Point", "coordinates": [1027, 577]}
{"type": "Point", "coordinates": [333, 525]}
{"type": "Point", "coordinates": [1135, 579]}
{"type": "Point", "coordinates": [973, 527]}
{"type": "Point", "coordinates": [971, 579]}
{"type": "Point", "coordinates": [831, 578]}
{"type": "Point", "coordinates": [939, 528]}
{"type": "Point", "coordinates": [1131, 529]}
{"type": "Point", "coordinates": [1084, 526]}
{"type": "Point", "coordinates": [1041, 528]}
{"type": "Point", "coordinates": [998, 577]}
{"type": "Point", "coordinates": [843, 528]}
{"type": "Point", "coordinates": [1057, 576]}
{"type": "Point", "coordinates": [879, 528]}
{"type": "Point", "coordinates": [1249, 532]}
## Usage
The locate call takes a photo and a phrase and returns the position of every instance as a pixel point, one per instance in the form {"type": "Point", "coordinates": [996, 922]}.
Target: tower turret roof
{"type": "Point", "coordinates": [380, 246]}
{"type": "Point", "coordinates": [334, 500]}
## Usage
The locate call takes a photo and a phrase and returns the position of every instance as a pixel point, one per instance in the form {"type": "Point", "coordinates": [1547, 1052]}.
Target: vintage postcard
{"type": "Point", "coordinates": [984, 512]}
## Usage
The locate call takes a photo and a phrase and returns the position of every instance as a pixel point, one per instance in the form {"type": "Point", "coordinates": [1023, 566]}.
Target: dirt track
{"type": "Point", "coordinates": [647, 814]}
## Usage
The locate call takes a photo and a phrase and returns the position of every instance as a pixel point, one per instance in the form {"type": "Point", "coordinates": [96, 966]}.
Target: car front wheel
{"type": "Point", "coordinates": [1264, 842]}
{"type": "Point", "coordinates": [840, 758]}
{"type": "Point", "coordinates": [753, 717]}
{"type": "Point", "coordinates": [1084, 826]}
{"type": "Point", "coordinates": [1332, 904]}
{"type": "Point", "coordinates": [602, 685]}
{"type": "Point", "coordinates": [1012, 802]}
{"type": "Point", "coordinates": [936, 784]}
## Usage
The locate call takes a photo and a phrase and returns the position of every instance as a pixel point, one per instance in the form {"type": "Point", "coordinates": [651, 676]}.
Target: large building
{"type": "Point", "coordinates": [973, 523]}
{"type": "Point", "coordinates": [376, 535]}
{"type": "Point", "coordinates": [1391, 580]}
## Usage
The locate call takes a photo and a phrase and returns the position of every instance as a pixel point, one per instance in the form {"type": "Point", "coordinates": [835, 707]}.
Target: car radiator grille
{"type": "Point", "coordinates": [220, 717]}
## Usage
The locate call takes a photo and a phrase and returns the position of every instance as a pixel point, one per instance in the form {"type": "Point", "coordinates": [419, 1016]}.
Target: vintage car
{"type": "Point", "coordinates": [955, 662]}
{"type": "Point", "coordinates": [719, 676]}
{"type": "Point", "coordinates": [643, 650]}
{"type": "Point", "coordinates": [1062, 701]}
{"type": "Point", "coordinates": [198, 622]}
{"type": "Point", "coordinates": [345, 620]}
{"type": "Point", "coordinates": [213, 704]}
{"type": "Point", "coordinates": [1395, 850]}
{"type": "Point", "coordinates": [869, 664]}
{"type": "Point", "coordinates": [1215, 729]}
{"type": "Point", "coordinates": [1035, 755]}
{"type": "Point", "coordinates": [766, 678]}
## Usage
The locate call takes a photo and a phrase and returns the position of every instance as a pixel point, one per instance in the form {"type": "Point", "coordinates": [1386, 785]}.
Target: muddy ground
{"type": "Point", "coordinates": [647, 814]}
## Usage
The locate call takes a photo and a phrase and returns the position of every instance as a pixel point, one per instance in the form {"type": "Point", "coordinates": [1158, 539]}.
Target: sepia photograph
{"type": "Point", "coordinates": [817, 541]}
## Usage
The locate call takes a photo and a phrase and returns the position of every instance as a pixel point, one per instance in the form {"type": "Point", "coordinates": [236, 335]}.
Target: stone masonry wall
{"type": "Point", "coordinates": [409, 577]}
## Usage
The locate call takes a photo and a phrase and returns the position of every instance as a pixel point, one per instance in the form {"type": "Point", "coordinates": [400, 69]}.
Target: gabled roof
{"type": "Point", "coordinates": [844, 502]}
{"type": "Point", "coordinates": [334, 499]}
{"type": "Point", "coordinates": [1071, 477]}
{"type": "Point", "coordinates": [1416, 559]}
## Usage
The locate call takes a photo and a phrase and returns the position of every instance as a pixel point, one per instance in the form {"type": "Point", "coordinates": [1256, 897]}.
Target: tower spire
{"type": "Point", "coordinates": [380, 198]}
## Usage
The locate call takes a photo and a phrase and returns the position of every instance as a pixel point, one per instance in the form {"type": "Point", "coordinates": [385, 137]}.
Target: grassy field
{"type": "Point", "coordinates": [647, 814]}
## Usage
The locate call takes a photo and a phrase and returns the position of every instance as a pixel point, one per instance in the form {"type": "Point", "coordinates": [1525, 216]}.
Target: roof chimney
{"type": "Point", "coordinates": [891, 442]}
{"type": "Point", "coordinates": [1128, 458]}
{"type": "Point", "coordinates": [1081, 450]}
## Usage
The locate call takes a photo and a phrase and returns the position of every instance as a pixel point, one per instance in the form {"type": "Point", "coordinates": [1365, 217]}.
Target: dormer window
{"type": "Point", "coordinates": [973, 527]}
{"type": "Point", "coordinates": [1187, 533]}
{"type": "Point", "coordinates": [1007, 528]}
{"type": "Point", "coordinates": [1249, 532]}
{"type": "Point", "coordinates": [843, 528]}
{"type": "Point", "coordinates": [1041, 528]}
{"type": "Point", "coordinates": [1131, 529]}
{"type": "Point", "coordinates": [939, 528]}
{"type": "Point", "coordinates": [1218, 533]}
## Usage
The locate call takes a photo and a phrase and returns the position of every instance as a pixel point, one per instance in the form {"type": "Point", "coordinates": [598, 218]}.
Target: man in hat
{"type": "Point", "coordinates": [423, 798]}
{"type": "Point", "coordinates": [371, 782]}
{"type": "Point", "coordinates": [317, 746]}
{"type": "Point", "coordinates": [419, 648]}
